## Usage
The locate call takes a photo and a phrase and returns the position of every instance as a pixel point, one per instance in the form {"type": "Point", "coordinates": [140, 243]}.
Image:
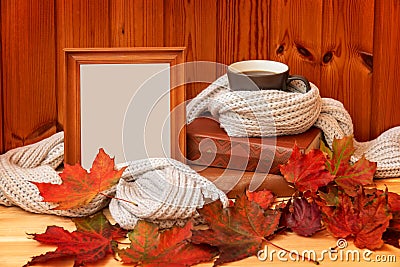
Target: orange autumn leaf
{"type": "Point", "coordinates": [264, 198]}
{"type": "Point", "coordinates": [237, 231]}
{"type": "Point", "coordinates": [171, 248]}
{"type": "Point", "coordinates": [78, 186]}
{"type": "Point", "coordinates": [93, 239]}
{"type": "Point", "coordinates": [306, 171]}
{"type": "Point", "coordinates": [349, 176]}
{"type": "Point", "coordinates": [365, 217]}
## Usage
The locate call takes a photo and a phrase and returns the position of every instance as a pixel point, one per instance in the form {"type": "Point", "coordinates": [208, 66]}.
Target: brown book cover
{"type": "Point", "coordinates": [209, 145]}
{"type": "Point", "coordinates": [234, 182]}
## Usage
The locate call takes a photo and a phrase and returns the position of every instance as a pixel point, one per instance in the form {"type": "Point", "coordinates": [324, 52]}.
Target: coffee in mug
{"type": "Point", "coordinates": [252, 75]}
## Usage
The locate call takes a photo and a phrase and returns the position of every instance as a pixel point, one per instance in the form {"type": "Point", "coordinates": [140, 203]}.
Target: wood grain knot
{"type": "Point", "coordinates": [280, 50]}
{"type": "Point", "coordinates": [327, 57]}
{"type": "Point", "coordinates": [304, 52]}
{"type": "Point", "coordinates": [367, 59]}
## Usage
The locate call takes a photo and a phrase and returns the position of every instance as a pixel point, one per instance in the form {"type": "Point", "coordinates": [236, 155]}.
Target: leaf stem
{"type": "Point", "coordinates": [287, 251]}
{"type": "Point", "coordinates": [117, 198]}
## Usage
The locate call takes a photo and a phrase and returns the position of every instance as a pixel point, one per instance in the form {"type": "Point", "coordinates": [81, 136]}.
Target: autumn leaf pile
{"type": "Point", "coordinates": [331, 188]}
{"type": "Point", "coordinates": [331, 193]}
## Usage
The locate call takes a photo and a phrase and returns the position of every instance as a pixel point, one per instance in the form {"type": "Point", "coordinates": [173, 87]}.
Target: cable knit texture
{"type": "Point", "coordinates": [37, 163]}
{"type": "Point", "coordinates": [167, 191]}
{"type": "Point", "coordinates": [274, 113]}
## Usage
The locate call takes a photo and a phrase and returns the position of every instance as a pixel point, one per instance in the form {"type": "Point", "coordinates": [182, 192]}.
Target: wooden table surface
{"type": "Point", "coordinates": [16, 249]}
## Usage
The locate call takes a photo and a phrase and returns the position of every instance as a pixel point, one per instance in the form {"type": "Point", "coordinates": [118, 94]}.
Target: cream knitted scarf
{"type": "Point", "coordinates": [166, 191]}
{"type": "Point", "coordinates": [36, 163]}
{"type": "Point", "coordinates": [274, 112]}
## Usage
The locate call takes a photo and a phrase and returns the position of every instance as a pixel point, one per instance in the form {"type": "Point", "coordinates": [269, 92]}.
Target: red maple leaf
{"type": "Point", "coordinates": [170, 248]}
{"type": "Point", "coordinates": [392, 234]}
{"type": "Point", "coordinates": [366, 217]}
{"type": "Point", "coordinates": [343, 149]}
{"type": "Point", "coordinates": [349, 177]}
{"type": "Point", "coordinates": [306, 171]}
{"type": "Point", "coordinates": [78, 186]}
{"type": "Point", "coordinates": [264, 198]}
{"type": "Point", "coordinates": [303, 218]}
{"type": "Point", "coordinates": [237, 231]}
{"type": "Point", "coordinates": [93, 240]}
{"type": "Point", "coordinates": [394, 206]}
{"type": "Point", "coordinates": [394, 201]}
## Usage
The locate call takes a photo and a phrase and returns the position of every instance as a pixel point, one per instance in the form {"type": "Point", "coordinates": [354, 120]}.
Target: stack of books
{"type": "Point", "coordinates": [235, 164]}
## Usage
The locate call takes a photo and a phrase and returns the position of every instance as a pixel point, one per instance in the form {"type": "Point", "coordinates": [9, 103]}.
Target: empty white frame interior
{"type": "Point", "coordinates": [125, 110]}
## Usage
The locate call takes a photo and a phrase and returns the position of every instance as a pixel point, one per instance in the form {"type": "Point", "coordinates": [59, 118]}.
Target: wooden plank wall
{"type": "Point", "coordinates": [385, 111]}
{"type": "Point", "coordinates": [346, 58]}
{"type": "Point", "coordinates": [191, 24]}
{"type": "Point", "coordinates": [331, 42]}
{"type": "Point", "coordinates": [242, 30]}
{"type": "Point", "coordinates": [28, 71]}
{"type": "Point", "coordinates": [331, 49]}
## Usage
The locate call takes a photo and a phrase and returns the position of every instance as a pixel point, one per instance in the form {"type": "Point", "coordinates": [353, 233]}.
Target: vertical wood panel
{"type": "Point", "coordinates": [28, 56]}
{"type": "Point", "coordinates": [242, 30]}
{"type": "Point", "coordinates": [137, 23]}
{"type": "Point", "coordinates": [385, 93]}
{"type": "Point", "coordinates": [192, 24]}
{"type": "Point", "coordinates": [295, 36]}
{"type": "Point", "coordinates": [83, 23]}
{"type": "Point", "coordinates": [346, 58]}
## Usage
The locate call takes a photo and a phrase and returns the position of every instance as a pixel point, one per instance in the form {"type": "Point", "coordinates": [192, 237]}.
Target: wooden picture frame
{"type": "Point", "coordinates": [75, 57]}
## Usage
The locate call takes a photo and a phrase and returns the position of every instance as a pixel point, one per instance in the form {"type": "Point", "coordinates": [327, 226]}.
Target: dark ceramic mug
{"type": "Point", "coordinates": [250, 75]}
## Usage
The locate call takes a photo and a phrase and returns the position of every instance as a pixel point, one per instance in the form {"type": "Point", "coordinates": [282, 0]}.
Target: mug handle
{"type": "Point", "coordinates": [301, 78]}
